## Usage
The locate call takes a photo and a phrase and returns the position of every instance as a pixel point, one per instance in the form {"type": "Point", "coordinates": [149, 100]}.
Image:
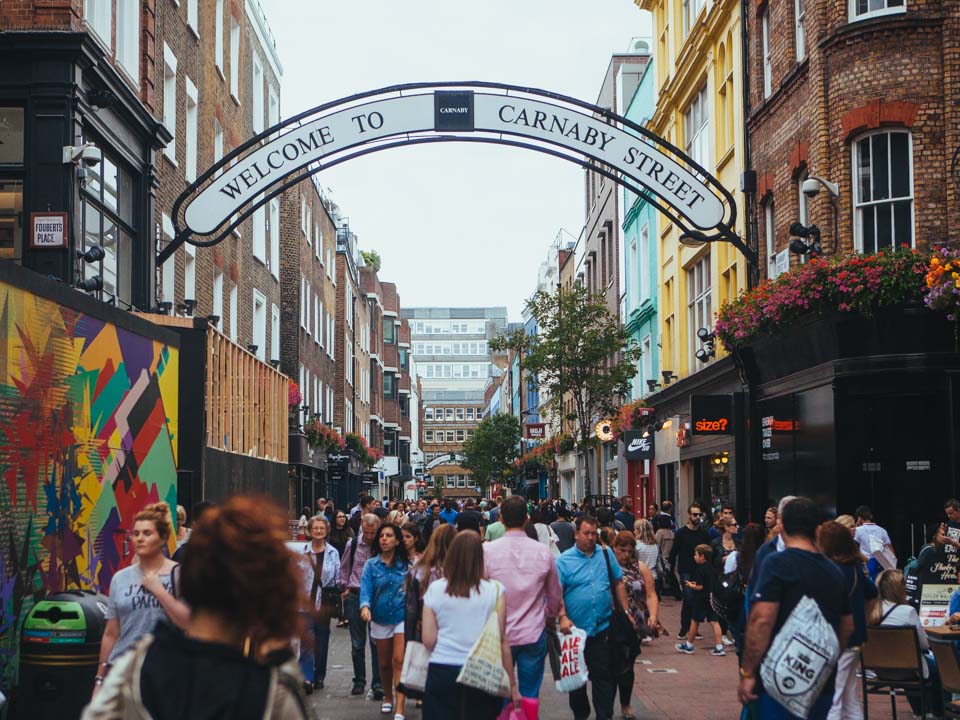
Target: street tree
{"type": "Point", "coordinates": [581, 355]}
{"type": "Point", "coordinates": [492, 449]}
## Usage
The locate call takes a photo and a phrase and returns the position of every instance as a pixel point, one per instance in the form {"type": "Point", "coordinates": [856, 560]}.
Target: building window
{"type": "Point", "coordinates": [275, 335]}
{"type": "Point", "coordinates": [389, 332]}
{"type": "Point", "coordinates": [765, 52]}
{"type": "Point", "coordinates": [260, 324]}
{"type": "Point", "coordinates": [469, 413]}
{"type": "Point", "coordinates": [273, 108]}
{"type": "Point", "coordinates": [389, 386]}
{"type": "Point", "coordinates": [699, 311]}
{"type": "Point", "coordinates": [646, 362]}
{"type": "Point", "coordinates": [799, 36]}
{"type": "Point", "coordinates": [170, 100]}
{"type": "Point", "coordinates": [109, 220]}
{"type": "Point", "coordinates": [218, 297]}
{"type": "Point", "coordinates": [428, 436]}
{"type": "Point", "coordinates": [274, 225]}
{"type": "Point", "coordinates": [450, 436]}
{"type": "Point", "coordinates": [691, 9]}
{"type": "Point", "coordinates": [189, 272]}
{"type": "Point", "coordinates": [460, 414]}
{"type": "Point", "coordinates": [803, 207]}
{"type": "Point", "coordinates": [99, 17]}
{"type": "Point", "coordinates": [883, 191]}
{"type": "Point", "coordinates": [128, 38]}
{"type": "Point", "coordinates": [192, 16]}
{"type": "Point", "coordinates": [460, 436]}
{"type": "Point", "coordinates": [428, 414]}
{"type": "Point", "coordinates": [696, 121]}
{"type": "Point", "coordinates": [449, 414]}
{"type": "Point", "coordinates": [11, 183]}
{"type": "Point", "coordinates": [770, 235]}
{"type": "Point", "coordinates": [234, 312]}
{"type": "Point", "coordinates": [234, 58]}
{"type": "Point", "coordinates": [862, 9]}
{"type": "Point", "coordinates": [190, 162]}
{"type": "Point", "coordinates": [257, 96]}
{"type": "Point", "coordinates": [218, 40]}
{"type": "Point", "coordinates": [260, 232]}
{"type": "Point", "coordinates": [217, 143]}
{"type": "Point", "coordinates": [642, 259]}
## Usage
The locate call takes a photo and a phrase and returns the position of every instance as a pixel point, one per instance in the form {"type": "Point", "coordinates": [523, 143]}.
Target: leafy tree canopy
{"type": "Point", "coordinates": [492, 449]}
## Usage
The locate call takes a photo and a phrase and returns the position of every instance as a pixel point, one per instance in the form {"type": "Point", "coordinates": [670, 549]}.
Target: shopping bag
{"type": "Point", "coordinates": [573, 661]}
{"type": "Point", "coordinates": [529, 710]}
{"type": "Point", "coordinates": [484, 669]}
{"type": "Point", "coordinates": [416, 658]}
{"type": "Point", "coordinates": [800, 659]}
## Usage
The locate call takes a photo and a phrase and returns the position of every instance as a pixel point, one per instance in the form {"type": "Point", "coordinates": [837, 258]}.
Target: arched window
{"type": "Point", "coordinates": [882, 190]}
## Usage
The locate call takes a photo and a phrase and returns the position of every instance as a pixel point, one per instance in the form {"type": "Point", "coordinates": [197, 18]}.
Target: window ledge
{"type": "Point", "coordinates": [194, 31]}
{"type": "Point", "coordinates": [220, 73]}
{"type": "Point", "coordinates": [172, 159]}
{"type": "Point", "coordinates": [233, 97]}
{"type": "Point", "coordinates": [726, 157]}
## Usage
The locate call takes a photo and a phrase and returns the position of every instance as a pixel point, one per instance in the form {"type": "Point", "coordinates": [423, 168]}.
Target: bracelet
{"type": "Point", "coordinates": [98, 680]}
{"type": "Point", "coordinates": [745, 675]}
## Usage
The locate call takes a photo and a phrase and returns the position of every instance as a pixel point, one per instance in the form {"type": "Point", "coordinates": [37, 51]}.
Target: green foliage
{"type": "Point", "coordinates": [492, 449]}
{"type": "Point", "coordinates": [580, 349]}
{"type": "Point", "coordinates": [371, 259]}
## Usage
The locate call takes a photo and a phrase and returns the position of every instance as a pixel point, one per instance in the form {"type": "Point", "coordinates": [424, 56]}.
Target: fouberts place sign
{"type": "Point", "coordinates": [637, 158]}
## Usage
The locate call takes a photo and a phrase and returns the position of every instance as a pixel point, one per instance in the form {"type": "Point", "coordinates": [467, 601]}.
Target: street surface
{"type": "Point", "coordinates": [668, 684]}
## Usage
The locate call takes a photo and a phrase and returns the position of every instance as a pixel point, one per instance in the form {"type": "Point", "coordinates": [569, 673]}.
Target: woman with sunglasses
{"type": "Point", "coordinates": [340, 534]}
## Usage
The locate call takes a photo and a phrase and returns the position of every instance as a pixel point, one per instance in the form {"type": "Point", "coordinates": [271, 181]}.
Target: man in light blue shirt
{"type": "Point", "coordinates": [588, 605]}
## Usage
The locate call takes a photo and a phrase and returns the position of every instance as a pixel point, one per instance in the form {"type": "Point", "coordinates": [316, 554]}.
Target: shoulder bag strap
{"type": "Point", "coordinates": [887, 614]}
{"type": "Point", "coordinates": [174, 571]}
{"type": "Point", "coordinates": [613, 593]}
{"type": "Point", "coordinates": [317, 571]}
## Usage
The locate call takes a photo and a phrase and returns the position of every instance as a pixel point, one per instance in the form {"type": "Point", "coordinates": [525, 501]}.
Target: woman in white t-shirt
{"type": "Point", "coordinates": [456, 607]}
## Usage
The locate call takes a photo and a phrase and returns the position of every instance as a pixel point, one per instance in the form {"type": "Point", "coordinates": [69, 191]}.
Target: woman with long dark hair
{"type": "Point", "coordinates": [242, 586]}
{"type": "Point", "coordinates": [412, 541]}
{"type": "Point", "coordinates": [382, 604]}
{"type": "Point", "coordinates": [455, 606]}
{"type": "Point", "coordinates": [836, 542]}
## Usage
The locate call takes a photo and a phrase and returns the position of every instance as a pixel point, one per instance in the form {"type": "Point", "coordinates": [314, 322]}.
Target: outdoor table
{"type": "Point", "coordinates": [943, 633]}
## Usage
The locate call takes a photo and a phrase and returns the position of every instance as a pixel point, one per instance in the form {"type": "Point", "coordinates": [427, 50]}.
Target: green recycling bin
{"type": "Point", "coordinates": [59, 652]}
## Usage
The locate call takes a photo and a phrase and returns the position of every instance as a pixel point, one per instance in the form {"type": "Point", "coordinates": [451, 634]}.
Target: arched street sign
{"type": "Point", "coordinates": [282, 156]}
{"type": "Point", "coordinates": [448, 459]}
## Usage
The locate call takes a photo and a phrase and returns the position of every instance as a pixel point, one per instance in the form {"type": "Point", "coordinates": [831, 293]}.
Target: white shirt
{"type": "Point", "coordinates": [906, 615]}
{"type": "Point", "coordinates": [730, 562]}
{"type": "Point", "coordinates": [459, 620]}
{"type": "Point", "coordinates": [868, 536]}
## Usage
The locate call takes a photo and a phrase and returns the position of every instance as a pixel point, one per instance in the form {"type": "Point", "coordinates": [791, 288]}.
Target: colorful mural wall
{"type": "Point", "coordinates": [88, 436]}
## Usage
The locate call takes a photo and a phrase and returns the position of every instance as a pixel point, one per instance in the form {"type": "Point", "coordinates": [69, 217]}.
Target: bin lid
{"type": "Point", "coordinates": [55, 622]}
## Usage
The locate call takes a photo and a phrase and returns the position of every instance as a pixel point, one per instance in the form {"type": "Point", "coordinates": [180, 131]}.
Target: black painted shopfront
{"type": "Point", "coordinates": [849, 411]}
{"type": "Point", "coordinates": [58, 92]}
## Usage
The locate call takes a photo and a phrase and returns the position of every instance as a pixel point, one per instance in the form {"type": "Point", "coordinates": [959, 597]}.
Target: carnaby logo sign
{"type": "Point", "coordinates": [453, 110]}
{"type": "Point", "coordinates": [636, 446]}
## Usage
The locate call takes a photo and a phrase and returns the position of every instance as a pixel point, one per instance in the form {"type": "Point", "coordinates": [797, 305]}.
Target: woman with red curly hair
{"type": "Point", "coordinates": [243, 588]}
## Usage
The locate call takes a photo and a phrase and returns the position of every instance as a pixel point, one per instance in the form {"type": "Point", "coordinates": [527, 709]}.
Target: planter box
{"type": "Point", "coordinates": [302, 454]}
{"type": "Point", "coordinates": [894, 330]}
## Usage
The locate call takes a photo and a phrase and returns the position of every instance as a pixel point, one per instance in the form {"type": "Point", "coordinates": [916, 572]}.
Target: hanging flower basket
{"type": "Point", "coordinates": [630, 417]}
{"type": "Point", "coordinates": [365, 454]}
{"type": "Point", "coordinates": [323, 437]}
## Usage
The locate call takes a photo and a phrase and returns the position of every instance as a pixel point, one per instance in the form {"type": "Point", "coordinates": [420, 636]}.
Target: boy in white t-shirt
{"type": "Point", "coordinates": [871, 537]}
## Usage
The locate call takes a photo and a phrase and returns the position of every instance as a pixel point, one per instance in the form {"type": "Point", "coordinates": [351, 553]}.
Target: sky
{"type": "Point", "coordinates": [455, 224]}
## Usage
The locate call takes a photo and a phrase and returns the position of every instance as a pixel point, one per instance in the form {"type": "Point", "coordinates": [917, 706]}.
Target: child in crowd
{"type": "Point", "coordinates": [702, 584]}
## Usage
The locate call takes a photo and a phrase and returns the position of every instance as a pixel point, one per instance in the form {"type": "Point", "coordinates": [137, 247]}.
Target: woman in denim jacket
{"type": "Point", "coordinates": [382, 604]}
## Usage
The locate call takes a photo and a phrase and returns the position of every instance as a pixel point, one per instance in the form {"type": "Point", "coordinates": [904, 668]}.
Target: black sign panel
{"type": "Point", "coordinates": [711, 414]}
{"type": "Point", "coordinates": [453, 110]}
{"type": "Point", "coordinates": [636, 446]}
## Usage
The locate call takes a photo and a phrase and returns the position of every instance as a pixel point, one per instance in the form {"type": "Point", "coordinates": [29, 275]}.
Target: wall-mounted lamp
{"type": "Point", "coordinates": [276, 364]}
{"type": "Point", "coordinates": [253, 349]}
{"type": "Point", "coordinates": [652, 385]}
{"type": "Point", "coordinates": [668, 375]}
{"type": "Point", "coordinates": [165, 307]}
{"type": "Point", "coordinates": [90, 284]}
{"type": "Point", "coordinates": [707, 349]}
{"type": "Point", "coordinates": [187, 307]}
{"type": "Point", "coordinates": [92, 255]}
{"type": "Point", "coordinates": [213, 319]}
{"type": "Point", "coordinates": [798, 246]}
{"type": "Point", "coordinates": [656, 426]}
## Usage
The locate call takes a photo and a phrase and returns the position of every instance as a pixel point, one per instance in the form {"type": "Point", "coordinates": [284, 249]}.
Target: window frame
{"type": "Point", "coordinates": [799, 31]}
{"type": "Point", "coordinates": [766, 57]}
{"type": "Point", "coordinates": [857, 205]}
{"type": "Point", "coordinates": [854, 16]}
{"type": "Point", "coordinates": [699, 302]}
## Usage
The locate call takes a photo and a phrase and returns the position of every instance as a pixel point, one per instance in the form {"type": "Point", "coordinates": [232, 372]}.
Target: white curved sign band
{"type": "Point", "coordinates": [631, 154]}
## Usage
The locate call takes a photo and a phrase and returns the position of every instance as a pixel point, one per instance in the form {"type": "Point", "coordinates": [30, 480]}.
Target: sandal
{"type": "Point", "coordinates": [386, 708]}
{"type": "Point", "coordinates": [398, 716]}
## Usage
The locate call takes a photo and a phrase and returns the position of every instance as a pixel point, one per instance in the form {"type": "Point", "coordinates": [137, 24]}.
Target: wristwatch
{"type": "Point", "coordinates": [745, 675]}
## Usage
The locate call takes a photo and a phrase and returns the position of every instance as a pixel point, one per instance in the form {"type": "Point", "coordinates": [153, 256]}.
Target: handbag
{"type": "Point", "coordinates": [331, 601]}
{"type": "Point", "coordinates": [623, 636]}
{"type": "Point", "coordinates": [413, 676]}
{"type": "Point", "coordinates": [484, 669]}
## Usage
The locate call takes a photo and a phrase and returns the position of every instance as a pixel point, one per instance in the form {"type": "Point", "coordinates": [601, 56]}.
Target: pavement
{"type": "Point", "coordinates": [668, 684]}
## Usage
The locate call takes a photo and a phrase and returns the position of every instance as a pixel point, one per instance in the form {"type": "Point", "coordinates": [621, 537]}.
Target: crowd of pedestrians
{"type": "Point", "coordinates": [237, 621]}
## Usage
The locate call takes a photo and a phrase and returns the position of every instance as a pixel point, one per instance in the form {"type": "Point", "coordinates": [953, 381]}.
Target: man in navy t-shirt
{"type": "Point", "coordinates": [784, 579]}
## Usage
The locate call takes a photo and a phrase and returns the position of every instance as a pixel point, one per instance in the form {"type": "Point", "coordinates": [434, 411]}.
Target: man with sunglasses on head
{"type": "Point", "coordinates": [685, 541]}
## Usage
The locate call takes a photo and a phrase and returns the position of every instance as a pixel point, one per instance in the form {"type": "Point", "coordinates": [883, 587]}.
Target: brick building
{"type": "Point", "coordinates": [449, 420]}
{"type": "Point", "coordinates": [351, 408]}
{"type": "Point", "coordinates": [218, 84]}
{"type": "Point", "coordinates": [863, 95]}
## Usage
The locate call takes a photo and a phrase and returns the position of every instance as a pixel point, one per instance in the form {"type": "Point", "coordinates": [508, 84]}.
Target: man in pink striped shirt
{"type": "Point", "coordinates": [532, 588]}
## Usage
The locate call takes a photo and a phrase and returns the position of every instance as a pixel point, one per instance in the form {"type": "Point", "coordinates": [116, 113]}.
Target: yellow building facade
{"type": "Point", "coordinates": [699, 109]}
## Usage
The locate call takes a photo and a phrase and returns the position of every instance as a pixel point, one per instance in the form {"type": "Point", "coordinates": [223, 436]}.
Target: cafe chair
{"type": "Point", "coordinates": [891, 662]}
{"type": "Point", "coordinates": [949, 675]}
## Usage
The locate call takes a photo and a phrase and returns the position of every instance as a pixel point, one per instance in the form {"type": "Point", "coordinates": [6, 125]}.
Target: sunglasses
{"type": "Point", "coordinates": [696, 514]}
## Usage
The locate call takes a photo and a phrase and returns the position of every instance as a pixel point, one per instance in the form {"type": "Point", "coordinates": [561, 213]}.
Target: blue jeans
{"type": "Point", "coordinates": [529, 660]}
{"type": "Point", "coordinates": [770, 709]}
{"type": "Point", "coordinates": [313, 661]}
{"type": "Point", "coordinates": [358, 638]}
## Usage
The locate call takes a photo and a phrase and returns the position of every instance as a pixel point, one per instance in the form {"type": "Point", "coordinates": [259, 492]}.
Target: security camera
{"type": "Point", "coordinates": [87, 154]}
{"type": "Point", "coordinates": [810, 187]}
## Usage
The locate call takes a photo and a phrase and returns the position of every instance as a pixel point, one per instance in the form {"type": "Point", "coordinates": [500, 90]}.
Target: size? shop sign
{"type": "Point", "coordinates": [711, 414]}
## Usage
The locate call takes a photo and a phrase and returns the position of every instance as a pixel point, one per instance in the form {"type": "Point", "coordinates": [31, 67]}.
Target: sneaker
{"type": "Point", "coordinates": [308, 687]}
{"type": "Point", "coordinates": [684, 647]}
{"type": "Point", "coordinates": [727, 641]}
{"type": "Point", "coordinates": [718, 651]}
{"type": "Point", "coordinates": [357, 689]}
{"type": "Point", "coordinates": [698, 636]}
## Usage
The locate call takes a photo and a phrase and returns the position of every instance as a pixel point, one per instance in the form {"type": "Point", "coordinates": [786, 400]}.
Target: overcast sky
{"type": "Point", "coordinates": [455, 224]}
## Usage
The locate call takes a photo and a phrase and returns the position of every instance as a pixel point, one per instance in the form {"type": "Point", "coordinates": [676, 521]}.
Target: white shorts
{"type": "Point", "coordinates": [384, 632]}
